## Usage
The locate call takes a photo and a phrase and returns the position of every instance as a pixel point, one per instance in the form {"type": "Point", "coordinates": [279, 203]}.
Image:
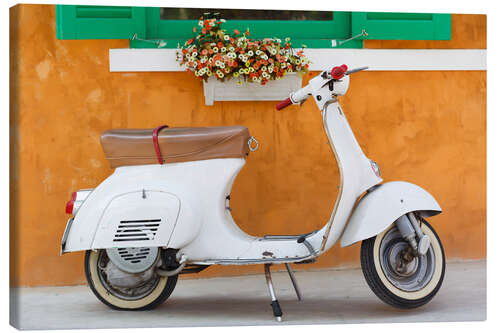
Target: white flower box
{"type": "Point", "coordinates": [275, 90]}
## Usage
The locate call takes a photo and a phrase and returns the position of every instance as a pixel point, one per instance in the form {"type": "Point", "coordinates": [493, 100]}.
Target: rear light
{"type": "Point", "coordinates": [70, 204]}
{"type": "Point", "coordinates": [77, 199]}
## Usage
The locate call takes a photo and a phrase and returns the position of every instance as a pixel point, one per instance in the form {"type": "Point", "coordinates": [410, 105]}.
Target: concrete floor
{"type": "Point", "coordinates": [330, 297]}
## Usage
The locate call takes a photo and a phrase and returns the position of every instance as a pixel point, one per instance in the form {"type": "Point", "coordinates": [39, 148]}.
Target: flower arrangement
{"type": "Point", "coordinates": [214, 52]}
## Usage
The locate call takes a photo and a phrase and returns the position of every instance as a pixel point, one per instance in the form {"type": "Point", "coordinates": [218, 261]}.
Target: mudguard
{"type": "Point", "coordinates": [381, 207]}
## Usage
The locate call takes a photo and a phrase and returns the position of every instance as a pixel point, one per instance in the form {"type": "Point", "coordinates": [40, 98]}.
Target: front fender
{"type": "Point", "coordinates": [382, 206]}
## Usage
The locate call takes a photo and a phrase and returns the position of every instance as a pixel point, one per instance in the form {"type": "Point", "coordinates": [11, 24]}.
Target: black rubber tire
{"type": "Point", "coordinates": [165, 293]}
{"type": "Point", "coordinates": [378, 287]}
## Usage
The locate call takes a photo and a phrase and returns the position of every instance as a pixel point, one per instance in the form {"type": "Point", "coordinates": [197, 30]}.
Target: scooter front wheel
{"type": "Point", "coordinates": [397, 280]}
{"type": "Point", "coordinates": [142, 291]}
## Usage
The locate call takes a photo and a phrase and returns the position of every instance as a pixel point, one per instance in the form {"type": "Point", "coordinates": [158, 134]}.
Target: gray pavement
{"type": "Point", "coordinates": [330, 297]}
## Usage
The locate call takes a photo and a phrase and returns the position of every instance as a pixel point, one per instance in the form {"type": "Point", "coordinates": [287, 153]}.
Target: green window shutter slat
{"type": "Point", "coordinates": [99, 22]}
{"type": "Point", "coordinates": [402, 26]}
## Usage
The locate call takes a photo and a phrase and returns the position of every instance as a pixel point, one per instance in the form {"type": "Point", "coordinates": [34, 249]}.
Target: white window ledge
{"type": "Point", "coordinates": [163, 60]}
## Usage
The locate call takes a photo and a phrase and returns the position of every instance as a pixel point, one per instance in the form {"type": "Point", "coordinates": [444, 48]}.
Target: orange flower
{"type": "Point", "coordinates": [194, 29]}
{"type": "Point", "coordinates": [236, 32]}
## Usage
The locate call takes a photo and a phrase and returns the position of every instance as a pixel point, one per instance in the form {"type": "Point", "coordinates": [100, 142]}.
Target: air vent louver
{"type": "Point", "coordinates": [136, 230]}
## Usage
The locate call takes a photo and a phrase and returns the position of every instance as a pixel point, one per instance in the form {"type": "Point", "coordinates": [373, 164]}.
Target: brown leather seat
{"type": "Point", "coordinates": [178, 144]}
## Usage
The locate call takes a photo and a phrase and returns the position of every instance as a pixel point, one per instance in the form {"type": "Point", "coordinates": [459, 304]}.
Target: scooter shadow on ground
{"type": "Point", "coordinates": [315, 310]}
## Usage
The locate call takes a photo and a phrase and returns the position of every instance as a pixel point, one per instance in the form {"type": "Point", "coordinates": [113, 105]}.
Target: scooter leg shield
{"type": "Point", "coordinates": [379, 208]}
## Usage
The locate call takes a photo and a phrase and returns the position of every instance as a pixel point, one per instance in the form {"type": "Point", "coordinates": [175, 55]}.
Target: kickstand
{"type": "Point", "coordinates": [294, 282]}
{"type": "Point", "coordinates": [274, 302]}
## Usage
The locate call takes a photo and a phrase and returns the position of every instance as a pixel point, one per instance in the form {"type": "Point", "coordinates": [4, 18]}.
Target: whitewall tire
{"type": "Point", "coordinates": [409, 287]}
{"type": "Point", "coordinates": [155, 294]}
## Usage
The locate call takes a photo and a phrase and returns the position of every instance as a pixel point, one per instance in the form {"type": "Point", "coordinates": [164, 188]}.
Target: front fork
{"type": "Point", "coordinates": [409, 227]}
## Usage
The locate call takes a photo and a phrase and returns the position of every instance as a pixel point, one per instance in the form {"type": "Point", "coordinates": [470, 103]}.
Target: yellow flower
{"type": "Point", "coordinates": [236, 74]}
{"type": "Point", "coordinates": [247, 63]}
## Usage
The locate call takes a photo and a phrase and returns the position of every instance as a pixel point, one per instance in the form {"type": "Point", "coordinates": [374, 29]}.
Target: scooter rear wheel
{"type": "Point", "coordinates": [146, 296]}
{"type": "Point", "coordinates": [402, 284]}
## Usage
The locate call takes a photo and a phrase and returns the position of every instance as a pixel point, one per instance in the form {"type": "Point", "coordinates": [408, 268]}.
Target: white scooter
{"type": "Point", "coordinates": [165, 211]}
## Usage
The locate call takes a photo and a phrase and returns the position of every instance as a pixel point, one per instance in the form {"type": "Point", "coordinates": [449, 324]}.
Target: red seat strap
{"type": "Point", "coordinates": [155, 142]}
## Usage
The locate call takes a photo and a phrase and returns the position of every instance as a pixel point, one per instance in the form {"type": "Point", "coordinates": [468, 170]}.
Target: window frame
{"type": "Point", "coordinates": [124, 22]}
{"type": "Point", "coordinates": [312, 34]}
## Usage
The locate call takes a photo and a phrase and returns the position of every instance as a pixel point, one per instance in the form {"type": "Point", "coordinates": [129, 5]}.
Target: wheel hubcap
{"type": "Point", "coordinates": [406, 272]}
{"type": "Point", "coordinates": [125, 285]}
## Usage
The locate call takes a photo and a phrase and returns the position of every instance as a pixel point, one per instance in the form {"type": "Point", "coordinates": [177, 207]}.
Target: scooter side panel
{"type": "Point", "coordinates": [138, 219]}
{"type": "Point", "coordinates": [381, 207]}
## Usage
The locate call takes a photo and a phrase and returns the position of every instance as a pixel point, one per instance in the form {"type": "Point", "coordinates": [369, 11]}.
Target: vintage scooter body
{"type": "Point", "coordinates": [185, 206]}
{"type": "Point", "coordinates": [188, 203]}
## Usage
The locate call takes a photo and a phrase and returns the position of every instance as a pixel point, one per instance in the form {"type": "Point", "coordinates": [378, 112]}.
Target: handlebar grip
{"type": "Point", "coordinates": [283, 104]}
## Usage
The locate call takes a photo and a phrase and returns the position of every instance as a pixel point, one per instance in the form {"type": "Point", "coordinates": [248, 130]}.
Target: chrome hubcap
{"type": "Point", "coordinates": [406, 273]}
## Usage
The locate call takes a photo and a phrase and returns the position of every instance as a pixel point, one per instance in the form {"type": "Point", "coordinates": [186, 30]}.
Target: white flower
{"type": "Point", "coordinates": [255, 78]}
{"type": "Point", "coordinates": [223, 49]}
{"type": "Point", "coordinates": [250, 53]}
{"type": "Point", "coordinates": [215, 49]}
{"type": "Point", "coordinates": [222, 20]}
{"type": "Point", "coordinates": [226, 37]}
{"type": "Point", "coordinates": [258, 52]}
{"type": "Point", "coordinates": [273, 51]}
{"type": "Point", "coordinates": [231, 49]}
{"type": "Point", "coordinates": [200, 23]}
{"type": "Point", "coordinates": [270, 69]}
{"type": "Point", "coordinates": [194, 54]}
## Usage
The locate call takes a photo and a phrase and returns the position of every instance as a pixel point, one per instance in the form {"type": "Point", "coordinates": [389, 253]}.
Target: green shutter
{"type": "Point", "coordinates": [402, 26]}
{"type": "Point", "coordinates": [99, 22]}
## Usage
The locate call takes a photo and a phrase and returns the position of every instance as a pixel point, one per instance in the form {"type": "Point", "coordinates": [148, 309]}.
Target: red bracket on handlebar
{"type": "Point", "coordinates": [339, 71]}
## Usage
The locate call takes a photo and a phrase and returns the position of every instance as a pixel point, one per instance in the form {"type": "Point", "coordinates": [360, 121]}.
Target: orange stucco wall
{"type": "Point", "coordinates": [424, 127]}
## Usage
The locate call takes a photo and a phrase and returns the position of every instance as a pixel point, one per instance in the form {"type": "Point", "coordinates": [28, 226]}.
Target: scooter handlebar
{"type": "Point", "coordinates": [283, 104]}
